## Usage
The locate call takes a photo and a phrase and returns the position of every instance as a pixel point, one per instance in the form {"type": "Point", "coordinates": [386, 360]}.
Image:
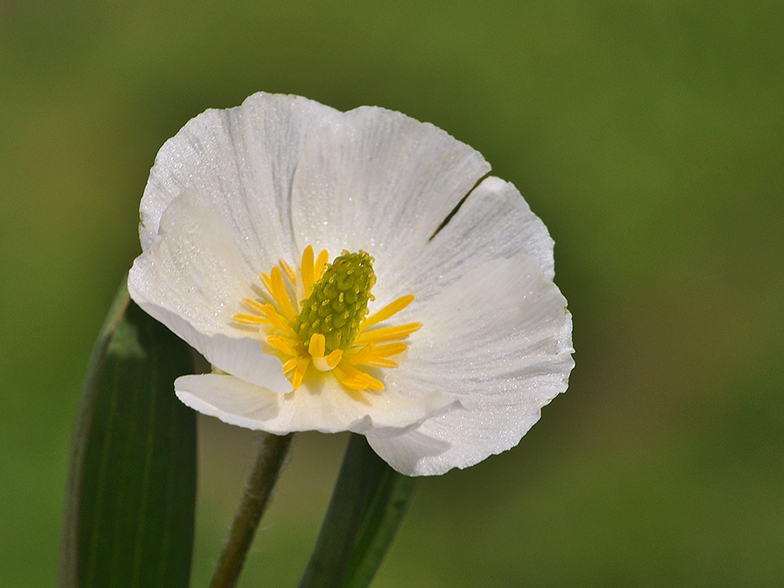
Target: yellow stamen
{"type": "Point", "coordinates": [280, 294]}
{"type": "Point", "coordinates": [387, 334]}
{"type": "Point", "coordinates": [321, 263]}
{"type": "Point", "coordinates": [307, 270]}
{"type": "Point", "coordinates": [278, 321]}
{"type": "Point", "coordinates": [290, 365]}
{"type": "Point", "coordinates": [389, 349]}
{"type": "Point", "coordinates": [316, 349]}
{"type": "Point", "coordinates": [249, 319]}
{"type": "Point", "coordinates": [386, 312]}
{"type": "Point", "coordinates": [283, 344]}
{"type": "Point", "coordinates": [354, 379]}
{"type": "Point", "coordinates": [290, 274]}
{"type": "Point", "coordinates": [265, 279]}
{"type": "Point", "coordinates": [253, 304]}
{"type": "Point", "coordinates": [377, 355]}
{"type": "Point", "coordinates": [334, 358]}
{"type": "Point", "coordinates": [317, 345]}
{"type": "Point", "coordinates": [299, 373]}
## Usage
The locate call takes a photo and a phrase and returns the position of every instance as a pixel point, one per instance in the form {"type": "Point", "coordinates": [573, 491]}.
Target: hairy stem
{"type": "Point", "coordinates": [254, 501]}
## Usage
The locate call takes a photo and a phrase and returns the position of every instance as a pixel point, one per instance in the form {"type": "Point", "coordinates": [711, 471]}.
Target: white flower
{"type": "Point", "coordinates": [238, 207]}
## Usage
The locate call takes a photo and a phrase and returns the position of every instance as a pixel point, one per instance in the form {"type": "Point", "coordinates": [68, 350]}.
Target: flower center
{"type": "Point", "coordinates": [324, 324]}
{"type": "Point", "coordinates": [338, 302]}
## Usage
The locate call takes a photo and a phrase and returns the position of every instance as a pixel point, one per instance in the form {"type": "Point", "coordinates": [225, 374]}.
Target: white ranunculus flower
{"type": "Point", "coordinates": [465, 336]}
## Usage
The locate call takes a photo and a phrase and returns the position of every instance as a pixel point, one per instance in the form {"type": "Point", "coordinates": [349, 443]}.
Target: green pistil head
{"type": "Point", "coordinates": [338, 302]}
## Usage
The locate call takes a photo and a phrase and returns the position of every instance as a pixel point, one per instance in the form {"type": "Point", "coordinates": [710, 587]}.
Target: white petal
{"type": "Point", "coordinates": [243, 357]}
{"type": "Point", "coordinates": [499, 340]}
{"type": "Point", "coordinates": [323, 406]}
{"type": "Point", "coordinates": [242, 160]}
{"type": "Point", "coordinates": [193, 280]}
{"type": "Point", "coordinates": [494, 221]}
{"type": "Point", "coordinates": [379, 181]}
{"type": "Point", "coordinates": [230, 399]}
{"type": "Point", "coordinates": [193, 267]}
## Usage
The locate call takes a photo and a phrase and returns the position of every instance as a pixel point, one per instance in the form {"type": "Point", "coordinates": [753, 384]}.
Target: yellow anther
{"type": "Point", "coordinates": [278, 321]}
{"type": "Point", "coordinates": [317, 345]}
{"type": "Point", "coordinates": [354, 379]}
{"type": "Point", "coordinates": [280, 294]}
{"type": "Point", "coordinates": [334, 358]}
{"type": "Point", "coordinates": [290, 365]}
{"type": "Point", "coordinates": [265, 279]}
{"type": "Point", "coordinates": [253, 304]}
{"type": "Point", "coordinates": [307, 270]}
{"type": "Point", "coordinates": [299, 373]}
{"type": "Point", "coordinates": [388, 311]}
{"type": "Point", "coordinates": [249, 319]}
{"type": "Point", "coordinates": [283, 344]}
{"type": "Point", "coordinates": [290, 274]}
{"type": "Point", "coordinates": [378, 355]}
{"type": "Point", "coordinates": [387, 334]}
{"type": "Point", "coordinates": [364, 353]}
{"type": "Point", "coordinates": [316, 351]}
{"type": "Point", "coordinates": [321, 263]}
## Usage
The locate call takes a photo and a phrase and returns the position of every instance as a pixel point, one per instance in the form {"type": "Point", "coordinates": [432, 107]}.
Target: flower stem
{"type": "Point", "coordinates": [257, 492]}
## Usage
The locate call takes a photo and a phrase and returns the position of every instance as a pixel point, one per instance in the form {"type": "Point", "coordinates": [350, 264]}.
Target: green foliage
{"type": "Point", "coordinates": [367, 506]}
{"type": "Point", "coordinates": [387, 502]}
{"type": "Point", "coordinates": [130, 503]}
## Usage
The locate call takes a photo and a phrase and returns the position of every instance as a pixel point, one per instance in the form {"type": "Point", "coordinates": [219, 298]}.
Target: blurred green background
{"type": "Point", "coordinates": [649, 136]}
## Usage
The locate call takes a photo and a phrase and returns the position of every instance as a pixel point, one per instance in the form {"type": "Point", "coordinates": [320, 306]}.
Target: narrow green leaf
{"type": "Point", "coordinates": [366, 508]}
{"type": "Point", "coordinates": [129, 511]}
{"type": "Point", "coordinates": [388, 504]}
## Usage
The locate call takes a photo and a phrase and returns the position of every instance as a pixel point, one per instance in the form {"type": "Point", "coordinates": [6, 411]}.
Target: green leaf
{"type": "Point", "coordinates": [388, 503]}
{"type": "Point", "coordinates": [367, 506]}
{"type": "Point", "coordinates": [129, 511]}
